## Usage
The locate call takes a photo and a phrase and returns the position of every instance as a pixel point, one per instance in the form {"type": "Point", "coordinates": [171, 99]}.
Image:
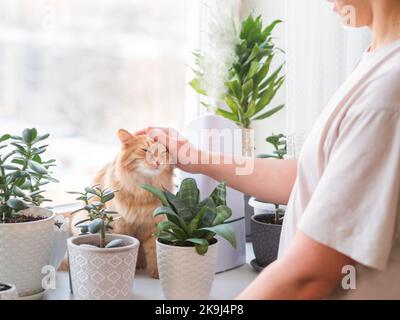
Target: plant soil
{"type": "Point", "coordinates": [22, 219]}
{"type": "Point", "coordinates": [185, 244]}
{"type": "Point", "coordinates": [269, 220]}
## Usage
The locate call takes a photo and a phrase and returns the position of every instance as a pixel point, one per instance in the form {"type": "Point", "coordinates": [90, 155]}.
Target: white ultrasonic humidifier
{"type": "Point", "coordinates": [229, 257]}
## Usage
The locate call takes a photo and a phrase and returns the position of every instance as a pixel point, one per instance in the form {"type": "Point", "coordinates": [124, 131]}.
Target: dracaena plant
{"type": "Point", "coordinates": [279, 143]}
{"type": "Point", "coordinates": [99, 217]}
{"type": "Point", "coordinates": [251, 83]}
{"type": "Point", "coordinates": [191, 222]}
{"type": "Point", "coordinates": [23, 172]}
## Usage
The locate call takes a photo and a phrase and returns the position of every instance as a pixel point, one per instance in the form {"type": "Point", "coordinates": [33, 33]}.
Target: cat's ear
{"type": "Point", "coordinates": [125, 137]}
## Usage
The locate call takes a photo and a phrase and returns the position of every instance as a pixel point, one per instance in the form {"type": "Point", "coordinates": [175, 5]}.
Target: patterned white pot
{"type": "Point", "coordinates": [10, 293]}
{"type": "Point", "coordinates": [25, 248]}
{"type": "Point", "coordinates": [102, 274]}
{"type": "Point", "coordinates": [184, 274]}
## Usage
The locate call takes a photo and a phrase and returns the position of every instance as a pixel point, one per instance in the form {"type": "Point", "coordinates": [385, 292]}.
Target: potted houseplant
{"type": "Point", "coordinates": [8, 292]}
{"type": "Point", "coordinates": [266, 223]}
{"type": "Point", "coordinates": [186, 245]}
{"type": "Point", "coordinates": [27, 231]}
{"type": "Point", "coordinates": [102, 265]}
{"type": "Point", "coordinates": [249, 85]}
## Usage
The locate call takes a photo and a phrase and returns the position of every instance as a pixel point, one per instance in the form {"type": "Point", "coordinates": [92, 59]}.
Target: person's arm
{"type": "Point", "coordinates": [269, 180]}
{"type": "Point", "coordinates": [309, 270]}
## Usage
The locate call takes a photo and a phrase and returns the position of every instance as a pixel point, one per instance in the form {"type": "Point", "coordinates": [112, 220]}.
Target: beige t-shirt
{"type": "Point", "coordinates": [347, 192]}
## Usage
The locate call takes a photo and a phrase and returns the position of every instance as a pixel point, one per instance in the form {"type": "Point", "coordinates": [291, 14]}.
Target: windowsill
{"type": "Point", "coordinates": [227, 285]}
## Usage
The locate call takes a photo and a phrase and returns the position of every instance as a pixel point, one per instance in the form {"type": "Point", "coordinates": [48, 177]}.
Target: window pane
{"type": "Point", "coordinates": [81, 69]}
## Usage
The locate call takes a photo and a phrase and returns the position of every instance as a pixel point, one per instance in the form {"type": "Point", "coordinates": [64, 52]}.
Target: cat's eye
{"type": "Point", "coordinates": [145, 150]}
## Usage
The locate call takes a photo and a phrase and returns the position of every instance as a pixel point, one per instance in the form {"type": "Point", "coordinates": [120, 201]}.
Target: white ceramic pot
{"type": "Point", "coordinates": [102, 274]}
{"type": "Point", "coordinates": [8, 292]}
{"type": "Point", "coordinates": [184, 274]}
{"type": "Point", "coordinates": [25, 248]}
{"type": "Point", "coordinates": [261, 207]}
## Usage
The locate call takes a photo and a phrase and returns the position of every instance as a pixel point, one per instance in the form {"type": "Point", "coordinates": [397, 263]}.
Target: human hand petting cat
{"type": "Point", "coordinates": [184, 154]}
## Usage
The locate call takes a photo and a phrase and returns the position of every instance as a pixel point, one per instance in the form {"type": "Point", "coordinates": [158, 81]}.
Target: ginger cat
{"type": "Point", "coordinates": [141, 160]}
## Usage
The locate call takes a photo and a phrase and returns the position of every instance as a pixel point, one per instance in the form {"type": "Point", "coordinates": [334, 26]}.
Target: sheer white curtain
{"type": "Point", "coordinates": [212, 25]}
{"type": "Point", "coordinates": [320, 53]}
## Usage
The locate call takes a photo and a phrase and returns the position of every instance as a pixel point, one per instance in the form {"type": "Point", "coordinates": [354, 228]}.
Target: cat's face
{"type": "Point", "coordinates": [141, 154]}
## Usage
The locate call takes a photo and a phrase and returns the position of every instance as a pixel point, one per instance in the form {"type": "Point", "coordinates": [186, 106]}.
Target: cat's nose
{"type": "Point", "coordinates": [157, 163]}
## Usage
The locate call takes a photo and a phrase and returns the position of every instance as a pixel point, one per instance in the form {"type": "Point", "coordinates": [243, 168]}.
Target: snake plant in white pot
{"type": "Point", "coordinates": [186, 245]}
{"type": "Point", "coordinates": [27, 231]}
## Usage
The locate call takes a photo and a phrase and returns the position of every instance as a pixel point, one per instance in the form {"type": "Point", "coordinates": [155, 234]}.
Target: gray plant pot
{"type": "Point", "coordinates": [265, 237]}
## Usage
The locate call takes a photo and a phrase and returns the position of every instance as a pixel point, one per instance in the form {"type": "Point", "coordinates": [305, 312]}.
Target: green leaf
{"type": "Point", "coordinates": [10, 167]}
{"type": "Point", "coordinates": [92, 191]}
{"type": "Point", "coordinates": [195, 84]}
{"type": "Point", "coordinates": [194, 224]}
{"type": "Point", "coordinates": [17, 204]}
{"type": "Point", "coordinates": [223, 213]}
{"type": "Point", "coordinates": [38, 168]}
{"type": "Point", "coordinates": [235, 88]}
{"type": "Point", "coordinates": [210, 214]}
{"type": "Point", "coordinates": [156, 192]}
{"type": "Point", "coordinates": [263, 72]}
{"type": "Point", "coordinates": [269, 113]}
{"type": "Point", "coordinates": [271, 78]}
{"type": "Point", "coordinates": [172, 216]}
{"type": "Point", "coordinates": [170, 226]}
{"type": "Point", "coordinates": [84, 229]}
{"type": "Point", "coordinates": [18, 192]}
{"type": "Point", "coordinates": [226, 114]}
{"type": "Point", "coordinates": [108, 197]}
{"type": "Point", "coordinates": [251, 109]}
{"type": "Point", "coordinates": [41, 138]}
{"type": "Point", "coordinates": [233, 104]}
{"type": "Point", "coordinates": [201, 245]}
{"type": "Point", "coordinates": [4, 137]}
{"type": "Point", "coordinates": [28, 135]}
{"type": "Point", "coordinates": [224, 231]}
{"type": "Point", "coordinates": [180, 208]}
{"type": "Point", "coordinates": [96, 225]}
{"type": "Point", "coordinates": [189, 193]}
{"type": "Point", "coordinates": [82, 221]}
{"type": "Point", "coordinates": [247, 25]}
{"type": "Point", "coordinates": [115, 243]}
{"type": "Point", "coordinates": [219, 194]}
{"type": "Point", "coordinates": [271, 27]}
{"type": "Point", "coordinates": [247, 88]}
{"type": "Point", "coordinates": [233, 220]}
{"type": "Point", "coordinates": [35, 193]}
{"type": "Point", "coordinates": [253, 69]}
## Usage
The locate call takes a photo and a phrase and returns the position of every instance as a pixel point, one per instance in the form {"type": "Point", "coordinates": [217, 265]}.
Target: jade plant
{"type": "Point", "coordinates": [191, 222]}
{"type": "Point", "coordinates": [278, 142]}
{"type": "Point", "coordinates": [99, 217]}
{"type": "Point", "coordinates": [251, 84]}
{"type": "Point", "coordinates": [23, 173]}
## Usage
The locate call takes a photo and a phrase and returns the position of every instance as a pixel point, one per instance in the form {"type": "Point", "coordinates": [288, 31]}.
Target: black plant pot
{"type": "Point", "coordinates": [265, 237]}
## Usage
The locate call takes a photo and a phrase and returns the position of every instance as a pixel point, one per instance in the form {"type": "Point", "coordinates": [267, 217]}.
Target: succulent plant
{"type": "Point", "coordinates": [23, 172]}
{"type": "Point", "coordinates": [251, 84]}
{"type": "Point", "coordinates": [100, 218]}
{"type": "Point", "coordinates": [279, 143]}
{"type": "Point", "coordinates": [191, 222]}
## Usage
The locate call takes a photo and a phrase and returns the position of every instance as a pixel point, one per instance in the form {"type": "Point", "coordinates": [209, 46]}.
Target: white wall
{"type": "Point", "coordinates": [270, 10]}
